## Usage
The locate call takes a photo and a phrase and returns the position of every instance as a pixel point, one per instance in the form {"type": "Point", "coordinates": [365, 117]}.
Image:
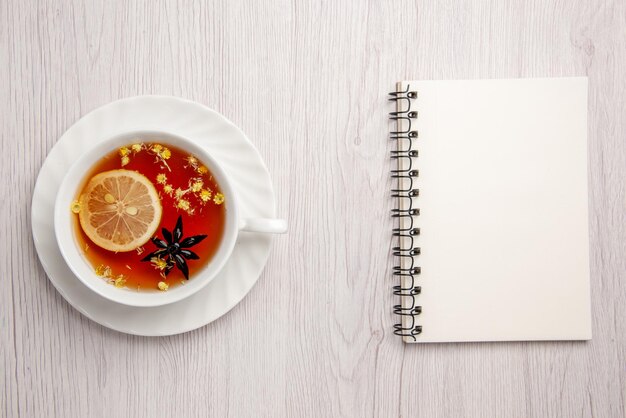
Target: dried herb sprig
{"type": "Point", "coordinates": [174, 249]}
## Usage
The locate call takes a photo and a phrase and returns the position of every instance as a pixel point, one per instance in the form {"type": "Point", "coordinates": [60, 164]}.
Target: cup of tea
{"type": "Point", "coordinates": [149, 218]}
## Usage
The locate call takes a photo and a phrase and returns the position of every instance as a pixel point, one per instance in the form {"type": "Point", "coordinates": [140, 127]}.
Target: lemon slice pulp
{"type": "Point", "coordinates": [120, 210]}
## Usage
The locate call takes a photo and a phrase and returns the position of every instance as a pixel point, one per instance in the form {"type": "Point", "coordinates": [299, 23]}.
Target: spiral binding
{"type": "Point", "coordinates": [405, 251]}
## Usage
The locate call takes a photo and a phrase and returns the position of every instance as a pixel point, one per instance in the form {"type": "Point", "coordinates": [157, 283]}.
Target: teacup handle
{"type": "Point", "coordinates": [265, 225]}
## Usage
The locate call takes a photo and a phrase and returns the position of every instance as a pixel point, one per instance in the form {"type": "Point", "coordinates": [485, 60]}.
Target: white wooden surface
{"type": "Point", "coordinates": [306, 80]}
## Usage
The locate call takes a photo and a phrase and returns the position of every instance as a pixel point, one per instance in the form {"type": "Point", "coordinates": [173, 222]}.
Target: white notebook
{"type": "Point", "coordinates": [492, 210]}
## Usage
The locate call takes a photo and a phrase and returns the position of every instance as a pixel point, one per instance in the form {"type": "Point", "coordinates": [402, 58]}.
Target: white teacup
{"type": "Point", "coordinates": [64, 223]}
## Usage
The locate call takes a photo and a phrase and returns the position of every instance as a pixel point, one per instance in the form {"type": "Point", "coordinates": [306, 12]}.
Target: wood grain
{"type": "Point", "coordinates": [306, 80]}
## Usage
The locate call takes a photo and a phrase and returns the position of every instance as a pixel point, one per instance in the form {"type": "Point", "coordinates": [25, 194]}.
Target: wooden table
{"type": "Point", "coordinates": [307, 81]}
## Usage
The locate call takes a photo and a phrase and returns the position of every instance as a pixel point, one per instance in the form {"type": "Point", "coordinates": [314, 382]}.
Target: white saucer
{"type": "Point", "coordinates": [237, 156]}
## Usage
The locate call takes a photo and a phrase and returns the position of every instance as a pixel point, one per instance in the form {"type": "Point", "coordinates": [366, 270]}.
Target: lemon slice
{"type": "Point", "coordinates": [120, 210]}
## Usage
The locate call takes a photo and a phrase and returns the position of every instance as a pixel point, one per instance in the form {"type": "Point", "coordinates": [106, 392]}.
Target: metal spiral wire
{"type": "Point", "coordinates": [406, 251]}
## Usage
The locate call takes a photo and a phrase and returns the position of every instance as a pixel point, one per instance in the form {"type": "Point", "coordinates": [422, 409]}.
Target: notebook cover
{"type": "Point", "coordinates": [503, 209]}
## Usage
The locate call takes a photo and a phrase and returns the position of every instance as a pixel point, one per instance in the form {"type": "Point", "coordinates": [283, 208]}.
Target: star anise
{"type": "Point", "coordinates": [174, 249]}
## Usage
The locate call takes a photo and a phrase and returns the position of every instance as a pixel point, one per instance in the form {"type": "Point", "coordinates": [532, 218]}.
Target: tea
{"type": "Point", "coordinates": [149, 216]}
